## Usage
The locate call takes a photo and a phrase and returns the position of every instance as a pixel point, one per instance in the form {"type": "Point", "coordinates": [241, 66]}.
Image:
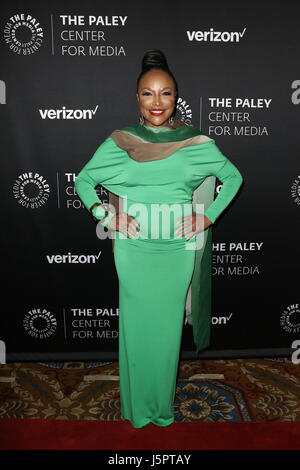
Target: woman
{"type": "Point", "coordinates": [154, 166]}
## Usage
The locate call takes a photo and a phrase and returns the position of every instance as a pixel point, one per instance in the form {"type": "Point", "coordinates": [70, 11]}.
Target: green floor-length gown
{"type": "Point", "coordinates": [157, 171]}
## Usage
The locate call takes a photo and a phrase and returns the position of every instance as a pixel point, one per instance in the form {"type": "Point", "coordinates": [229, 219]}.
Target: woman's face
{"type": "Point", "coordinates": [156, 92]}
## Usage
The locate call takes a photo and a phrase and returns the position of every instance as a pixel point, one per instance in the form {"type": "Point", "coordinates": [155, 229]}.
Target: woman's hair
{"type": "Point", "coordinates": [156, 59]}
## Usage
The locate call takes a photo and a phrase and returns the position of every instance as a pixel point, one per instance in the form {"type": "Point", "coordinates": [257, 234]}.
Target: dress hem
{"type": "Point", "coordinates": [148, 422]}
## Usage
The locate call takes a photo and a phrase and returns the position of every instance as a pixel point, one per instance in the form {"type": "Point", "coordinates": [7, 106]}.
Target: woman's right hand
{"type": "Point", "coordinates": [123, 222]}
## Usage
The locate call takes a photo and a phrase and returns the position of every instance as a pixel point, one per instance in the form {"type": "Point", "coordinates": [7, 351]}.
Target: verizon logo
{"type": "Point", "coordinates": [221, 320]}
{"type": "Point", "coordinates": [215, 36]}
{"type": "Point", "coordinates": [73, 259]}
{"type": "Point", "coordinates": [65, 113]}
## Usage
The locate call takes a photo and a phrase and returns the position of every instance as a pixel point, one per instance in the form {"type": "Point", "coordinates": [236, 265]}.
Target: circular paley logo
{"type": "Point", "coordinates": [290, 319]}
{"type": "Point", "coordinates": [295, 190]}
{"type": "Point", "coordinates": [183, 111]}
{"type": "Point", "coordinates": [31, 190]}
{"type": "Point", "coordinates": [23, 34]}
{"type": "Point", "coordinates": [40, 323]}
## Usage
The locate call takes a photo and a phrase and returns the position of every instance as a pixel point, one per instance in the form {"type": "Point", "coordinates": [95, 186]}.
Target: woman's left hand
{"type": "Point", "coordinates": [192, 224]}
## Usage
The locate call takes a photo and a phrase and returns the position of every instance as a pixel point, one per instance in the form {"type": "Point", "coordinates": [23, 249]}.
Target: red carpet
{"type": "Point", "coordinates": [44, 434]}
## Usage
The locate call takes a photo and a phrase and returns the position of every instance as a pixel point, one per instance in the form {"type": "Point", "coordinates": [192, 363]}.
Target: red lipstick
{"type": "Point", "coordinates": [156, 111]}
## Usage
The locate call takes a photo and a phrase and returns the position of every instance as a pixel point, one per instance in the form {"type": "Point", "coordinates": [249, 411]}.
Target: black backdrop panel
{"type": "Point", "coordinates": [68, 79]}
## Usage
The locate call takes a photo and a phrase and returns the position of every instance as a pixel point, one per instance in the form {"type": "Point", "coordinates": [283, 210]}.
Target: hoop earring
{"type": "Point", "coordinates": [142, 120]}
{"type": "Point", "coordinates": [171, 121]}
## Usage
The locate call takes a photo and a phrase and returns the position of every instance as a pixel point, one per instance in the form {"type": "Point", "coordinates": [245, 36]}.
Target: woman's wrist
{"type": "Point", "coordinates": [100, 214]}
{"type": "Point", "coordinates": [105, 221]}
{"type": "Point", "coordinates": [98, 211]}
{"type": "Point", "coordinates": [210, 219]}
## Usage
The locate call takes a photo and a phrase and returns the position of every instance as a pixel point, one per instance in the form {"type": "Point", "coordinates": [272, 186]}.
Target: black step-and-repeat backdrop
{"type": "Point", "coordinates": [68, 79]}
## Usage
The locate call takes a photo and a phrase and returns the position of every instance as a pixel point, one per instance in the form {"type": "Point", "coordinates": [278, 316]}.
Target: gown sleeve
{"type": "Point", "coordinates": [207, 159]}
{"type": "Point", "coordinates": [106, 167]}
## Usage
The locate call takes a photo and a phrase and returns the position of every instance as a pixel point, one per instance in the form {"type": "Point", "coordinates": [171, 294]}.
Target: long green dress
{"type": "Point", "coordinates": [160, 173]}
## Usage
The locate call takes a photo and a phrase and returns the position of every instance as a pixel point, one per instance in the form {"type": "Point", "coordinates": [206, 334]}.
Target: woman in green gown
{"type": "Point", "coordinates": [155, 168]}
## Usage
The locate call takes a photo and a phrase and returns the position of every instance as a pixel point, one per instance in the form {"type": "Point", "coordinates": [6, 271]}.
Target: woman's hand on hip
{"type": "Point", "coordinates": [123, 222]}
{"type": "Point", "coordinates": [192, 224]}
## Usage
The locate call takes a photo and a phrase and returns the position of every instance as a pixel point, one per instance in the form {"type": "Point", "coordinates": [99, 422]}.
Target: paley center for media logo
{"type": "Point", "coordinates": [184, 111]}
{"type": "Point", "coordinates": [31, 190]}
{"type": "Point", "coordinates": [290, 319]}
{"type": "Point", "coordinates": [295, 190]}
{"type": "Point", "coordinates": [23, 34]}
{"type": "Point", "coordinates": [40, 323]}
